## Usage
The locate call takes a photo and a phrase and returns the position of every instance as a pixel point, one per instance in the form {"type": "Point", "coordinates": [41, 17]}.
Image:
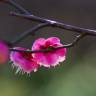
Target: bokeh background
{"type": "Point", "coordinates": [74, 77]}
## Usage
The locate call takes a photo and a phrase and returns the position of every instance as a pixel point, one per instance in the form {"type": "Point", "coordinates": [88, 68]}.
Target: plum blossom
{"type": "Point", "coordinates": [51, 58]}
{"type": "Point", "coordinates": [24, 62]}
{"type": "Point", "coordinates": [4, 52]}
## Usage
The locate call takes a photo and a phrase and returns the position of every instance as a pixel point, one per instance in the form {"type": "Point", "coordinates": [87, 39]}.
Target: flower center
{"type": "Point", "coordinates": [26, 55]}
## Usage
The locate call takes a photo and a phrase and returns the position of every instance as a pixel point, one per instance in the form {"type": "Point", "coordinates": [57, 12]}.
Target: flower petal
{"type": "Point", "coordinates": [47, 59]}
{"type": "Point", "coordinates": [39, 42]}
{"type": "Point", "coordinates": [53, 40]}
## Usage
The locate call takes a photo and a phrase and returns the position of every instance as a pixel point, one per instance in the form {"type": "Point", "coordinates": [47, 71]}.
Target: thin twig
{"type": "Point", "coordinates": [52, 49]}
{"type": "Point", "coordinates": [28, 32]}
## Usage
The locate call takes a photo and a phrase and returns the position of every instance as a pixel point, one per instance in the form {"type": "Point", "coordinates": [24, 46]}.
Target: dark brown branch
{"type": "Point", "coordinates": [53, 49]}
{"type": "Point", "coordinates": [56, 24]}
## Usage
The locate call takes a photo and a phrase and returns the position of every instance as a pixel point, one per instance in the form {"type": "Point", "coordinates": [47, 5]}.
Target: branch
{"type": "Point", "coordinates": [16, 6]}
{"type": "Point", "coordinates": [52, 49]}
{"type": "Point", "coordinates": [56, 23]}
{"type": "Point", "coordinates": [28, 15]}
{"type": "Point", "coordinates": [28, 32]}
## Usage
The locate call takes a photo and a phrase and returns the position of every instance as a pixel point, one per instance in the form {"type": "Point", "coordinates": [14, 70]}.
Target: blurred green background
{"type": "Point", "coordinates": [74, 77]}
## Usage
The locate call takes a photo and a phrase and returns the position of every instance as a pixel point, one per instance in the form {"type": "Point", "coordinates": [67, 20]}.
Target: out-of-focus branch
{"type": "Point", "coordinates": [16, 6]}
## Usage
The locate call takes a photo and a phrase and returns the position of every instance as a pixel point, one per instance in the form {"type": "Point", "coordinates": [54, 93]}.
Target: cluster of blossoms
{"type": "Point", "coordinates": [28, 62]}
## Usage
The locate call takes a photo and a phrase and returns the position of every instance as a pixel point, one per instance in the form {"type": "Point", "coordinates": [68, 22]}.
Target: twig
{"type": "Point", "coordinates": [17, 6]}
{"type": "Point", "coordinates": [52, 49]}
{"type": "Point", "coordinates": [28, 32]}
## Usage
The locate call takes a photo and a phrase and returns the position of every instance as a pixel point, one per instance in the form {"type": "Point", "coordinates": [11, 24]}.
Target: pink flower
{"type": "Point", "coordinates": [51, 58]}
{"type": "Point", "coordinates": [4, 52]}
{"type": "Point", "coordinates": [24, 62]}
